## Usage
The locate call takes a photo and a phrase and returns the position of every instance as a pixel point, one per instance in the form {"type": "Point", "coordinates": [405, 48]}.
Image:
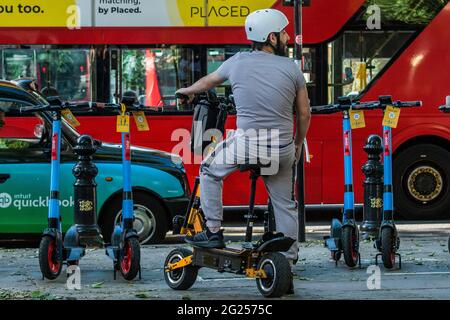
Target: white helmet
{"type": "Point", "coordinates": [259, 24]}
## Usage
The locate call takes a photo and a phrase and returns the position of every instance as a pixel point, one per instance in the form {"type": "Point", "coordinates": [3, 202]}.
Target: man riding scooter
{"type": "Point", "coordinates": [266, 86]}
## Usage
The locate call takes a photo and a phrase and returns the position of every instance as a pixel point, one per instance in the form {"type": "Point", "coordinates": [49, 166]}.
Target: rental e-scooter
{"type": "Point", "coordinates": [51, 249]}
{"type": "Point", "coordinates": [344, 236]}
{"type": "Point", "coordinates": [125, 248]}
{"type": "Point", "coordinates": [261, 261]}
{"type": "Point", "coordinates": [55, 249]}
{"type": "Point", "coordinates": [388, 241]}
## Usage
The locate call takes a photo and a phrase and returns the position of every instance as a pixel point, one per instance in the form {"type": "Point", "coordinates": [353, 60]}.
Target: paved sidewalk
{"type": "Point", "coordinates": [425, 273]}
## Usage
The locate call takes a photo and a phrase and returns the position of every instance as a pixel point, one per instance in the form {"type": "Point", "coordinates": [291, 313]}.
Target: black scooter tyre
{"type": "Point", "coordinates": [388, 244]}
{"type": "Point", "coordinates": [279, 275]}
{"type": "Point", "coordinates": [48, 263]}
{"type": "Point", "coordinates": [182, 278]}
{"type": "Point", "coordinates": [130, 259]}
{"type": "Point", "coordinates": [350, 246]}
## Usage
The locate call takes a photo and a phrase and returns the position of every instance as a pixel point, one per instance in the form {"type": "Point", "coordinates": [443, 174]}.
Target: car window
{"type": "Point", "coordinates": [17, 133]}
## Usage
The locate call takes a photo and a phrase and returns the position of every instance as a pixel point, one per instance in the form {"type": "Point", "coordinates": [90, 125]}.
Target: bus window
{"type": "Point", "coordinates": [57, 72]}
{"type": "Point", "coordinates": [65, 73]}
{"type": "Point", "coordinates": [154, 74]}
{"type": "Point", "coordinates": [18, 64]}
{"type": "Point", "coordinates": [357, 57]}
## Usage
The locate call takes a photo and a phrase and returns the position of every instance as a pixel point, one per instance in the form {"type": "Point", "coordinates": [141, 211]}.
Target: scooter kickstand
{"type": "Point", "coordinates": [140, 275]}
{"type": "Point", "coordinates": [399, 260]}
{"type": "Point", "coordinates": [376, 258]}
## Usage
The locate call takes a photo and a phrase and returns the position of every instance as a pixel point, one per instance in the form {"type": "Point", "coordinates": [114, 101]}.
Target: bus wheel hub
{"type": "Point", "coordinates": [425, 183]}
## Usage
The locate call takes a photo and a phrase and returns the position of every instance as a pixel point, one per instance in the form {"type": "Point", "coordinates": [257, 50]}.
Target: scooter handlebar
{"type": "Point", "coordinates": [371, 105]}
{"type": "Point", "coordinates": [335, 108]}
{"type": "Point", "coordinates": [326, 109]}
{"type": "Point", "coordinates": [117, 107]}
{"type": "Point", "coordinates": [407, 104]}
{"type": "Point", "coordinates": [81, 106]}
{"type": "Point", "coordinates": [32, 109]}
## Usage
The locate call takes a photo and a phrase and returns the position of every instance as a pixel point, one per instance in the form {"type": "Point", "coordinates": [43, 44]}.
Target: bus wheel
{"type": "Point", "coordinates": [421, 182]}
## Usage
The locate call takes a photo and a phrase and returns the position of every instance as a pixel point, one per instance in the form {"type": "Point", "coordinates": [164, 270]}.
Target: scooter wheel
{"type": "Point", "coordinates": [388, 245]}
{"type": "Point", "coordinates": [49, 263]}
{"type": "Point", "coordinates": [278, 272]}
{"type": "Point", "coordinates": [350, 245]}
{"type": "Point", "coordinates": [182, 278]}
{"type": "Point", "coordinates": [130, 259]}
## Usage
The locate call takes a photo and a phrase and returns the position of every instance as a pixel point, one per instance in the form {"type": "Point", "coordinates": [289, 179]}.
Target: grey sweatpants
{"type": "Point", "coordinates": [280, 183]}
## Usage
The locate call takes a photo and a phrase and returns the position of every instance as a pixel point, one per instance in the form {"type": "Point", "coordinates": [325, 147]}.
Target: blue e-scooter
{"type": "Point", "coordinates": [51, 249]}
{"type": "Point", "coordinates": [388, 241]}
{"type": "Point", "coordinates": [125, 248]}
{"type": "Point", "coordinates": [344, 236]}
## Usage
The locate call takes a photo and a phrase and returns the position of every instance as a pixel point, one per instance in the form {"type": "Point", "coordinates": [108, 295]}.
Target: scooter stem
{"type": "Point", "coordinates": [127, 198]}
{"type": "Point", "coordinates": [349, 198]}
{"type": "Point", "coordinates": [388, 198]}
{"type": "Point", "coordinates": [53, 208]}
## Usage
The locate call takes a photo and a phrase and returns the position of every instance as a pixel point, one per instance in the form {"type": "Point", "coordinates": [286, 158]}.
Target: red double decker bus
{"type": "Point", "coordinates": [154, 49]}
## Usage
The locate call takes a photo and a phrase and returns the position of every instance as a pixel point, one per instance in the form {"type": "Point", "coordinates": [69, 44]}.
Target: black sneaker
{"type": "Point", "coordinates": [207, 239]}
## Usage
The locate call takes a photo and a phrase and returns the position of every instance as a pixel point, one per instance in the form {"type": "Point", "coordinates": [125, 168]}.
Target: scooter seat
{"type": "Point", "coordinates": [256, 167]}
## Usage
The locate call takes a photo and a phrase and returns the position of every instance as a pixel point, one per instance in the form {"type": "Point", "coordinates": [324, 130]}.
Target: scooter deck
{"type": "Point", "coordinates": [223, 260]}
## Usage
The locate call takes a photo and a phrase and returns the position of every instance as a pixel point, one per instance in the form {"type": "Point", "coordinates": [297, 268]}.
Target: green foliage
{"type": "Point", "coordinates": [133, 69]}
{"type": "Point", "coordinates": [408, 11]}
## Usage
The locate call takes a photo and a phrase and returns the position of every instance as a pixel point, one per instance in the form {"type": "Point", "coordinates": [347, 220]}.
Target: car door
{"type": "Point", "coordinates": [24, 175]}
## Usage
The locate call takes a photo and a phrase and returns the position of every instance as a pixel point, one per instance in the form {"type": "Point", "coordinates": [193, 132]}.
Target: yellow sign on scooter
{"type": "Point", "coordinates": [70, 118]}
{"type": "Point", "coordinates": [141, 121]}
{"type": "Point", "coordinates": [391, 116]}
{"type": "Point", "coordinates": [356, 119]}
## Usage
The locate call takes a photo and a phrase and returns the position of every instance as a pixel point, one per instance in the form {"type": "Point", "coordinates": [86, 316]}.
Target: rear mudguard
{"type": "Point", "coordinates": [118, 239]}
{"type": "Point", "coordinates": [56, 235]}
{"type": "Point", "coordinates": [131, 234]}
{"type": "Point", "coordinates": [52, 232]}
{"type": "Point", "coordinates": [387, 224]}
{"type": "Point", "coordinates": [280, 244]}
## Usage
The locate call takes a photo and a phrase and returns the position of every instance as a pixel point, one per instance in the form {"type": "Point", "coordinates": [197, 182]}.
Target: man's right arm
{"type": "Point", "coordinates": [303, 117]}
{"type": "Point", "coordinates": [204, 84]}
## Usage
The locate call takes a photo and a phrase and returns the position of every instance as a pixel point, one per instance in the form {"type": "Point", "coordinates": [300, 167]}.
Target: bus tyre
{"type": "Point", "coordinates": [150, 221]}
{"type": "Point", "coordinates": [388, 246]}
{"type": "Point", "coordinates": [421, 182]}
{"type": "Point", "coordinates": [181, 278]}
{"type": "Point", "coordinates": [278, 272]}
{"type": "Point", "coordinates": [48, 260]}
{"type": "Point", "coordinates": [350, 245]}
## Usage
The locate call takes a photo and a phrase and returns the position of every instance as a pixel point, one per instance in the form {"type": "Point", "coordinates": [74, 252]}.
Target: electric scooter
{"type": "Point", "coordinates": [388, 241]}
{"type": "Point", "coordinates": [344, 236]}
{"type": "Point", "coordinates": [261, 260]}
{"type": "Point", "coordinates": [55, 249]}
{"type": "Point", "coordinates": [51, 248]}
{"type": "Point", "coordinates": [125, 248]}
